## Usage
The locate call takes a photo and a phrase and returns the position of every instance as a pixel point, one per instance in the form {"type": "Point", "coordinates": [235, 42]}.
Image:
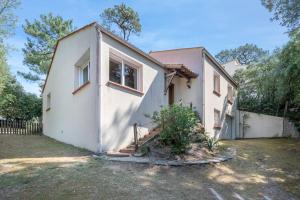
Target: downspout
{"type": "Point", "coordinates": [203, 89]}
{"type": "Point", "coordinates": [98, 80]}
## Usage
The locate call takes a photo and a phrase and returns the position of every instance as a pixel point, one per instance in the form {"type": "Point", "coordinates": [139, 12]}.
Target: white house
{"type": "Point", "coordinates": [99, 85]}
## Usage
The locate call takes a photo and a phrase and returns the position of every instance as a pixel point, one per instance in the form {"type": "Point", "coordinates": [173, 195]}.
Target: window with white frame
{"type": "Point", "coordinates": [83, 73]}
{"type": "Point", "coordinates": [123, 72]}
{"type": "Point", "coordinates": [217, 118]}
{"type": "Point", "coordinates": [115, 71]}
{"type": "Point", "coordinates": [48, 103]}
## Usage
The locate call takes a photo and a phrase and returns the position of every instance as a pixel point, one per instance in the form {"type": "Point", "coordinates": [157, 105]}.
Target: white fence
{"type": "Point", "coordinates": [254, 125]}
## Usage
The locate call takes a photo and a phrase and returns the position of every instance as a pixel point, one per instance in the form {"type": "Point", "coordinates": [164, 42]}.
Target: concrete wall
{"type": "Point", "coordinates": [260, 125]}
{"type": "Point", "coordinates": [122, 108]}
{"type": "Point", "coordinates": [72, 117]}
{"type": "Point", "coordinates": [220, 103]}
{"type": "Point", "coordinates": [191, 57]}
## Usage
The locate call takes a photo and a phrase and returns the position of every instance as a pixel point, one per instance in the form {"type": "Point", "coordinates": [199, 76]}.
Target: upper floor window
{"type": "Point", "coordinates": [82, 71]}
{"type": "Point", "coordinates": [115, 71]}
{"type": "Point", "coordinates": [124, 72]}
{"type": "Point", "coordinates": [217, 84]}
{"type": "Point", "coordinates": [83, 74]}
{"type": "Point", "coordinates": [230, 94]}
{"type": "Point", "coordinates": [130, 75]}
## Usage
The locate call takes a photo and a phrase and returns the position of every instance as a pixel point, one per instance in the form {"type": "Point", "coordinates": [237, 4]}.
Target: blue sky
{"type": "Point", "coordinates": [166, 24]}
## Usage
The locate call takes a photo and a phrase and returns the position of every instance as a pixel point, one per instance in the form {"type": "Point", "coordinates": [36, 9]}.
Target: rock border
{"type": "Point", "coordinates": [143, 160]}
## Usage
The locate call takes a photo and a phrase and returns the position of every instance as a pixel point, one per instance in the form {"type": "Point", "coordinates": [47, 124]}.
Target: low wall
{"type": "Point", "coordinates": [254, 125]}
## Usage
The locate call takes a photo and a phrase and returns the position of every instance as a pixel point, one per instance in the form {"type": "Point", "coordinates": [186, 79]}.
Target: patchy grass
{"type": "Point", "coordinates": [277, 160]}
{"type": "Point", "coordinates": [36, 167]}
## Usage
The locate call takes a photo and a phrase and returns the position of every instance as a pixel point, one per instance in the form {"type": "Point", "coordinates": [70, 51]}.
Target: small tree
{"type": "Point", "coordinates": [124, 17]}
{"type": "Point", "coordinates": [42, 37]}
{"type": "Point", "coordinates": [177, 122]}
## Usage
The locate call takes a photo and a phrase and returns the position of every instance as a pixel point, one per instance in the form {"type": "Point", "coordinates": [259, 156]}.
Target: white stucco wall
{"type": "Point", "coordinates": [122, 108]}
{"type": "Point", "coordinates": [72, 118]}
{"type": "Point", "coordinates": [191, 57]}
{"type": "Point", "coordinates": [213, 101]}
{"type": "Point", "coordinates": [260, 125]}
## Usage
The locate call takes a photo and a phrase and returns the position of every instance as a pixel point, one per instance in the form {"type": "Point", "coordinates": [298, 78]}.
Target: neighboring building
{"type": "Point", "coordinates": [99, 85]}
{"type": "Point", "coordinates": [232, 66]}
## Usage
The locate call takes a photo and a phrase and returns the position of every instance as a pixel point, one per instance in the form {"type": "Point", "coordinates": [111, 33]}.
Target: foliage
{"type": "Point", "coordinates": [145, 150]}
{"type": "Point", "coordinates": [125, 19]}
{"type": "Point", "coordinates": [273, 83]}
{"type": "Point", "coordinates": [15, 103]}
{"type": "Point", "coordinates": [245, 54]}
{"type": "Point", "coordinates": [42, 35]}
{"type": "Point", "coordinates": [212, 143]}
{"type": "Point", "coordinates": [8, 19]}
{"type": "Point", "coordinates": [177, 123]}
{"type": "Point", "coordinates": [287, 12]}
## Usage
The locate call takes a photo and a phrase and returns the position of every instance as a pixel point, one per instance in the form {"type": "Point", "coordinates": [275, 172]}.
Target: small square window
{"type": "Point", "coordinates": [217, 119]}
{"type": "Point", "coordinates": [83, 74]}
{"type": "Point", "coordinates": [130, 74]}
{"type": "Point", "coordinates": [217, 83]}
{"type": "Point", "coordinates": [115, 71]}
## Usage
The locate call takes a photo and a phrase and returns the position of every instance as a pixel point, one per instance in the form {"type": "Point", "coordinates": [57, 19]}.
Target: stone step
{"type": "Point", "coordinates": [117, 154]}
{"type": "Point", "coordinates": [127, 150]}
{"type": "Point", "coordinates": [131, 148]}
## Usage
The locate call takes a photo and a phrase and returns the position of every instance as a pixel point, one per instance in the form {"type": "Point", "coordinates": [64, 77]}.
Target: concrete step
{"type": "Point", "coordinates": [127, 150]}
{"type": "Point", "coordinates": [117, 154]}
{"type": "Point", "coordinates": [131, 148]}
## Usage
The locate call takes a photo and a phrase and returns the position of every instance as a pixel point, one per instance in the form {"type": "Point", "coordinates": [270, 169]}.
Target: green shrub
{"type": "Point", "coordinates": [177, 122]}
{"type": "Point", "coordinates": [212, 143]}
{"type": "Point", "coordinates": [145, 150]}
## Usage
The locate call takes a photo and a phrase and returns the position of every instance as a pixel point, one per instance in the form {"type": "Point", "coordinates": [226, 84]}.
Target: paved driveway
{"type": "Point", "coordinates": [36, 167]}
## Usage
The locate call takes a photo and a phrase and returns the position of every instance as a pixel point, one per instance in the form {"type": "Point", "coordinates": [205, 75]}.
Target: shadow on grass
{"type": "Point", "coordinates": [73, 175]}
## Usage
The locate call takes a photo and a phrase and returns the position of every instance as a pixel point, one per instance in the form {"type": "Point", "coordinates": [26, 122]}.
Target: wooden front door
{"type": "Point", "coordinates": [171, 94]}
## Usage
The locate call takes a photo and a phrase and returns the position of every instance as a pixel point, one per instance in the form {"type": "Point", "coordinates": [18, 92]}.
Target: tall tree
{"type": "Point", "coordinates": [124, 18]}
{"type": "Point", "coordinates": [8, 19]}
{"type": "Point", "coordinates": [245, 54]}
{"type": "Point", "coordinates": [7, 24]}
{"type": "Point", "coordinates": [42, 35]}
{"type": "Point", "coordinates": [287, 12]}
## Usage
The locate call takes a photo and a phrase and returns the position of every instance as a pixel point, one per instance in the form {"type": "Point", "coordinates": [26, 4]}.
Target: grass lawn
{"type": "Point", "coordinates": [36, 167]}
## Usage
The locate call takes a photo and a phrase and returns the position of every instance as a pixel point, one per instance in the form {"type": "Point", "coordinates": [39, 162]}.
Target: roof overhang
{"type": "Point", "coordinates": [181, 70]}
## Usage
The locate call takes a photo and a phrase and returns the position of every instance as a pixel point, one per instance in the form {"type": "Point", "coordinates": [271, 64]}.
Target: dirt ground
{"type": "Point", "coordinates": [36, 167]}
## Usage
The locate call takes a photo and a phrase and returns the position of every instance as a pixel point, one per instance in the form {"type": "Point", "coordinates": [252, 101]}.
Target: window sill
{"type": "Point", "coordinates": [48, 109]}
{"type": "Point", "coordinates": [110, 83]}
{"type": "Point", "coordinates": [217, 127]}
{"type": "Point", "coordinates": [82, 86]}
{"type": "Point", "coordinates": [217, 93]}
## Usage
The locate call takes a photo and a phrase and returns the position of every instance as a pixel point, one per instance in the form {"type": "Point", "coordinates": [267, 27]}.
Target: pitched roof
{"type": "Point", "coordinates": [204, 51]}
{"type": "Point", "coordinates": [111, 35]}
